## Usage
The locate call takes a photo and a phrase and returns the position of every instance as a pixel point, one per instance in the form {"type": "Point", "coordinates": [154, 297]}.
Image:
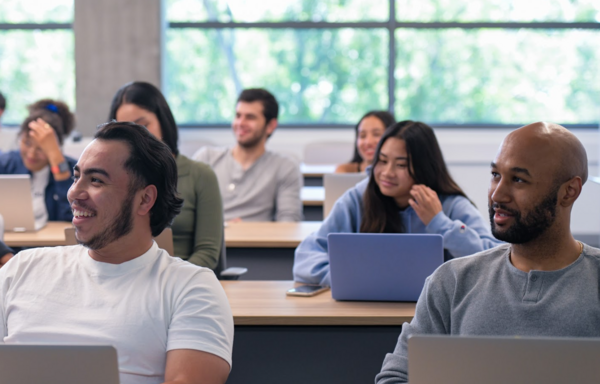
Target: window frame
{"type": "Point", "coordinates": [391, 25]}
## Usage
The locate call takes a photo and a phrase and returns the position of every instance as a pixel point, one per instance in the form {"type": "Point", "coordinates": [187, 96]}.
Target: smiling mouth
{"type": "Point", "coordinates": [78, 213]}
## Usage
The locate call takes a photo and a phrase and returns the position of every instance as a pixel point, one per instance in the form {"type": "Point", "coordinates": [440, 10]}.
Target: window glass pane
{"type": "Point", "coordinates": [35, 65]}
{"type": "Point", "coordinates": [498, 10]}
{"type": "Point", "coordinates": [498, 76]}
{"type": "Point", "coordinates": [36, 11]}
{"type": "Point", "coordinates": [277, 10]}
{"type": "Point", "coordinates": [318, 76]}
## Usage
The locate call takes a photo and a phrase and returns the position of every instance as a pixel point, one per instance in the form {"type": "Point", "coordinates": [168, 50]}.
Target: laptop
{"type": "Point", "coordinates": [16, 203]}
{"type": "Point", "coordinates": [336, 184]}
{"type": "Point", "coordinates": [382, 267]}
{"type": "Point", "coordinates": [58, 364]}
{"type": "Point", "coordinates": [501, 360]}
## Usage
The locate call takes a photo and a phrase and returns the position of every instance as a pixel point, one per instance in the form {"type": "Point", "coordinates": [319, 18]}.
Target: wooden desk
{"type": "Point", "coordinates": [312, 170]}
{"type": "Point", "coordinates": [267, 248]}
{"type": "Point", "coordinates": [53, 234]}
{"type": "Point", "coordinates": [312, 196]}
{"type": "Point", "coordinates": [298, 340]}
{"type": "Point", "coordinates": [265, 303]}
{"type": "Point", "coordinates": [268, 234]}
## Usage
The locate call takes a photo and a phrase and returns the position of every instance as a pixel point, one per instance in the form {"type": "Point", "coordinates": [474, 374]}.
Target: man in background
{"type": "Point", "coordinates": [2, 107]}
{"type": "Point", "coordinates": [256, 184]}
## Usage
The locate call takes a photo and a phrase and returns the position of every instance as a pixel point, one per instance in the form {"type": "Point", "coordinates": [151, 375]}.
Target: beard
{"type": "Point", "coordinates": [530, 227]}
{"type": "Point", "coordinates": [121, 226]}
{"type": "Point", "coordinates": [253, 141]}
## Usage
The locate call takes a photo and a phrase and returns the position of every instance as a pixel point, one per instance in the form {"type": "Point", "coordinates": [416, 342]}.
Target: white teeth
{"type": "Point", "coordinates": [77, 213]}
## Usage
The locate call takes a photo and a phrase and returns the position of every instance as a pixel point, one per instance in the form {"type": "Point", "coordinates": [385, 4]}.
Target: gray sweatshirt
{"type": "Point", "coordinates": [267, 191]}
{"type": "Point", "coordinates": [486, 295]}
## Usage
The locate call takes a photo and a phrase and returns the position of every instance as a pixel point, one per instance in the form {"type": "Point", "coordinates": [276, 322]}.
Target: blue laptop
{"type": "Point", "coordinates": [382, 267]}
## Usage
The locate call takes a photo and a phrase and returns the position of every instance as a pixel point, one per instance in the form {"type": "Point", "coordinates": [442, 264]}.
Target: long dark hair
{"type": "Point", "coordinates": [148, 97]}
{"type": "Point", "coordinates": [386, 118]}
{"type": "Point", "coordinates": [425, 165]}
{"type": "Point", "coordinates": [55, 113]}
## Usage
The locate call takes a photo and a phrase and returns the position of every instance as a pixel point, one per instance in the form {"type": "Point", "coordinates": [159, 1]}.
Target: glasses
{"type": "Point", "coordinates": [29, 144]}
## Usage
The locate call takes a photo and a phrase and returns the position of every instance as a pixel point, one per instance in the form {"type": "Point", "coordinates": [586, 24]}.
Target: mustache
{"type": "Point", "coordinates": [495, 206]}
{"type": "Point", "coordinates": [77, 205]}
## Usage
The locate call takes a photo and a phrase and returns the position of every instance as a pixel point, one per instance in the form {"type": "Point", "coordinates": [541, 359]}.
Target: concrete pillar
{"type": "Point", "coordinates": [116, 42]}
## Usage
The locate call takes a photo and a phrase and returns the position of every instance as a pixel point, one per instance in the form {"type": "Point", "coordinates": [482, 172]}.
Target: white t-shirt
{"type": "Point", "coordinates": [39, 182]}
{"type": "Point", "coordinates": [144, 307]}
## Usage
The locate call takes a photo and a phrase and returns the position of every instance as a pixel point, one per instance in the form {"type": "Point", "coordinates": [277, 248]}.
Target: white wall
{"type": "Point", "coordinates": [468, 153]}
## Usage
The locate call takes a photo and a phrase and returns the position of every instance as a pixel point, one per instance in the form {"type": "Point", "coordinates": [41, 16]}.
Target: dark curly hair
{"type": "Point", "coordinates": [151, 163]}
{"type": "Point", "coordinates": [54, 112]}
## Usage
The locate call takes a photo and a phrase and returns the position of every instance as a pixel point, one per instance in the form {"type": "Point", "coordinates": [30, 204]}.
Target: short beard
{"type": "Point", "coordinates": [253, 142]}
{"type": "Point", "coordinates": [531, 226]}
{"type": "Point", "coordinates": [122, 226]}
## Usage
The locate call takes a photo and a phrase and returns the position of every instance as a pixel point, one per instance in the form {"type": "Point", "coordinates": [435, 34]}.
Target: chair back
{"type": "Point", "coordinates": [164, 240]}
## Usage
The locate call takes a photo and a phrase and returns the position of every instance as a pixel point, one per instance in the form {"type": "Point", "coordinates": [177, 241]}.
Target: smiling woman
{"type": "Point", "coordinates": [198, 229]}
{"type": "Point", "coordinates": [409, 191]}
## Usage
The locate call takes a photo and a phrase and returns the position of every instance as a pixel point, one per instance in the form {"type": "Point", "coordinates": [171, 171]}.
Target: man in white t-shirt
{"type": "Point", "coordinates": [168, 319]}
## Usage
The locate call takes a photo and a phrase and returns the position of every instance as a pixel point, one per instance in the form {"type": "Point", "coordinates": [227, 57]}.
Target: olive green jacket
{"type": "Point", "coordinates": [198, 229]}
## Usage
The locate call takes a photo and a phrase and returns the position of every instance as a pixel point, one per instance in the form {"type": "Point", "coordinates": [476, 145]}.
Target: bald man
{"type": "Point", "coordinates": [543, 282]}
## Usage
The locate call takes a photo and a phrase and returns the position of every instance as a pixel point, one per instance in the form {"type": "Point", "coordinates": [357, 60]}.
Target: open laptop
{"type": "Point", "coordinates": [501, 360]}
{"type": "Point", "coordinates": [58, 364]}
{"type": "Point", "coordinates": [382, 267]}
{"type": "Point", "coordinates": [16, 203]}
{"type": "Point", "coordinates": [335, 185]}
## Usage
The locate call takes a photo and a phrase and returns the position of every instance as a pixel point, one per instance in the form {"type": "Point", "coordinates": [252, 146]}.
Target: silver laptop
{"type": "Point", "coordinates": [501, 360]}
{"type": "Point", "coordinates": [54, 364]}
{"type": "Point", "coordinates": [336, 184]}
{"type": "Point", "coordinates": [16, 203]}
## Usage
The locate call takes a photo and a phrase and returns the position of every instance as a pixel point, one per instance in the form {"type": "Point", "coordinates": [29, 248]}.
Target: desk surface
{"type": "Point", "coordinates": [268, 234]}
{"type": "Point", "coordinates": [237, 235]}
{"type": "Point", "coordinates": [265, 303]}
{"type": "Point", "coordinates": [312, 170]}
{"type": "Point", "coordinates": [51, 235]}
{"type": "Point", "coordinates": [312, 196]}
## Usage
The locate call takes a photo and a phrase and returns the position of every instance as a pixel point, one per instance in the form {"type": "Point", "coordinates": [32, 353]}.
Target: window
{"type": "Point", "coordinates": [445, 62]}
{"type": "Point", "coordinates": [36, 54]}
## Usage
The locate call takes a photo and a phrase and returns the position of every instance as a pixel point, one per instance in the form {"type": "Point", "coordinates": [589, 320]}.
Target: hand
{"type": "Point", "coordinates": [4, 259]}
{"type": "Point", "coordinates": [44, 135]}
{"type": "Point", "coordinates": [425, 202]}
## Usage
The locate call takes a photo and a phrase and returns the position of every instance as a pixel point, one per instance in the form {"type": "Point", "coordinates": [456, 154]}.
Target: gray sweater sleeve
{"type": "Point", "coordinates": [432, 316]}
{"type": "Point", "coordinates": [288, 204]}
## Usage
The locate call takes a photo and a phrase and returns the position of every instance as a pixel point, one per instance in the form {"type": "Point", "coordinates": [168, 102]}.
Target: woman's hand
{"type": "Point", "coordinates": [425, 202]}
{"type": "Point", "coordinates": [45, 137]}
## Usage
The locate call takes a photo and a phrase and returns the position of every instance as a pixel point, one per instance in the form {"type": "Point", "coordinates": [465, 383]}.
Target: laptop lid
{"type": "Point", "coordinates": [16, 203]}
{"type": "Point", "coordinates": [336, 184]}
{"type": "Point", "coordinates": [58, 364]}
{"type": "Point", "coordinates": [501, 360]}
{"type": "Point", "coordinates": [382, 267]}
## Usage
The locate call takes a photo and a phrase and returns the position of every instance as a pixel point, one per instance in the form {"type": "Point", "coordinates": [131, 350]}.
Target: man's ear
{"type": "Point", "coordinates": [271, 125]}
{"type": "Point", "coordinates": [148, 196]}
{"type": "Point", "coordinates": [570, 191]}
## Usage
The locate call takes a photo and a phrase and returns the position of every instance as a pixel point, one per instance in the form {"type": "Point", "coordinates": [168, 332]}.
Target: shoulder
{"type": "Point", "coordinates": [196, 168]}
{"type": "Point", "coordinates": [210, 154]}
{"type": "Point", "coordinates": [457, 205]}
{"type": "Point", "coordinates": [283, 163]}
{"type": "Point", "coordinates": [11, 161]}
{"type": "Point", "coordinates": [347, 168]}
{"type": "Point", "coordinates": [476, 266]}
{"type": "Point", "coordinates": [591, 253]}
{"type": "Point", "coordinates": [45, 260]}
